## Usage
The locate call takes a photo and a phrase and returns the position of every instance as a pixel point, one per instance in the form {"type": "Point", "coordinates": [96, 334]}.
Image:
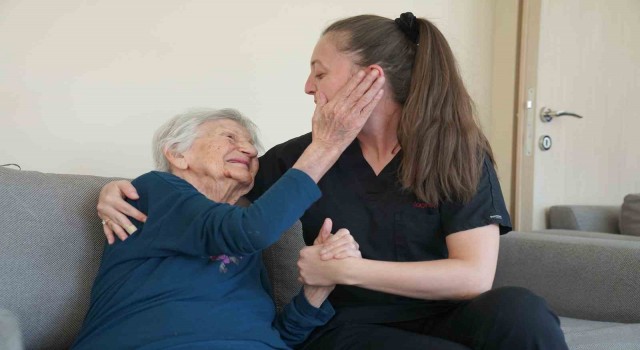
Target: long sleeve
{"type": "Point", "coordinates": [182, 220]}
{"type": "Point", "coordinates": [276, 162]}
{"type": "Point", "coordinates": [299, 318]}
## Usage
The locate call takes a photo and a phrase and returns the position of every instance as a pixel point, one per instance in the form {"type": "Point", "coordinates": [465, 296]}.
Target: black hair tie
{"type": "Point", "coordinates": [409, 26]}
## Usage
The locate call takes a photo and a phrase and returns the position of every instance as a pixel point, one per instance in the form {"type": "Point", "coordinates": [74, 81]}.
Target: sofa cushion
{"type": "Point", "coordinates": [594, 335]}
{"type": "Point", "coordinates": [51, 243]}
{"type": "Point", "coordinates": [580, 277]}
{"type": "Point", "coordinates": [281, 262]}
{"type": "Point", "coordinates": [630, 215]}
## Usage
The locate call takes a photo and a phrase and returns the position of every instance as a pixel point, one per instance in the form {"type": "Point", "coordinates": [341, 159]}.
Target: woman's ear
{"type": "Point", "coordinates": [176, 160]}
{"type": "Point", "coordinates": [376, 67]}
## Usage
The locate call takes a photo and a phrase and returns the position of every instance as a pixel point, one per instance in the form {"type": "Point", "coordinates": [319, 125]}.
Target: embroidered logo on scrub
{"type": "Point", "coordinates": [423, 205]}
{"type": "Point", "coordinates": [224, 261]}
{"type": "Point", "coordinates": [498, 217]}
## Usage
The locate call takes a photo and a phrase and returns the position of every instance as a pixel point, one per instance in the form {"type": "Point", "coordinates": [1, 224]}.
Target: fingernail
{"type": "Point", "coordinates": [323, 252]}
{"type": "Point", "coordinates": [361, 74]}
{"type": "Point", "coordinates": [374, 72]}
{"type": "Point", "coordinates": [131, 229]}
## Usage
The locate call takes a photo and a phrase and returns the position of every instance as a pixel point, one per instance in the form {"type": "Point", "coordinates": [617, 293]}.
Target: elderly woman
{"type": "Point", "coordinates": [192, 276]}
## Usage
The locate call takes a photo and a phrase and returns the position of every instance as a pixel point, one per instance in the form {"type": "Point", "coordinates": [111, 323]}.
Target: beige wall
{"type": "Point", "coordinates": [505, 38]}
{"type": "Point", "coordinates": [83, 84]}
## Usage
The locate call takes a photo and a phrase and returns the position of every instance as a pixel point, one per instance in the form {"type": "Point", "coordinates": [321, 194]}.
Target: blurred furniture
{"type": "Point", "coordinates": [621, 220]}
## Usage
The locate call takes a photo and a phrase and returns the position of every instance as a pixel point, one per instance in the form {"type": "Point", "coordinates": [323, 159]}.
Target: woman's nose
{"type": "Point", "coordinates": [249, 149]}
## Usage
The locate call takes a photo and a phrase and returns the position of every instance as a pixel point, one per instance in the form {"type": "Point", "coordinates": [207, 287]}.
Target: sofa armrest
{"type": "Point", "coordinates": [10, 336]}
{"type": "Point", "coordinates": [587, 278]}
{"type": "Point", "coordinates": [592, 218]}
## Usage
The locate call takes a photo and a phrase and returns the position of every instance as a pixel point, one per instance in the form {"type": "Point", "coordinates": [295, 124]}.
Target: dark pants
{"type": "Point", "coordinates": [504, 318]}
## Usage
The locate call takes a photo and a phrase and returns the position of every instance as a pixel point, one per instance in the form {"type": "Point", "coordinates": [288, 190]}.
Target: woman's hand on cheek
{"type": "Point", "coordinates": [337, 122]}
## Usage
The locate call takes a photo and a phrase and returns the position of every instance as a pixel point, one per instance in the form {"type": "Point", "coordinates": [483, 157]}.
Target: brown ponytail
{"type": "Point", "coordinates": [442, 144]}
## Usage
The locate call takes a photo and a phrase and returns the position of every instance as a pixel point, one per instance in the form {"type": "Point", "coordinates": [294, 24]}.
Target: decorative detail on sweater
{"type": "Point", "coordinates": [225, 260]}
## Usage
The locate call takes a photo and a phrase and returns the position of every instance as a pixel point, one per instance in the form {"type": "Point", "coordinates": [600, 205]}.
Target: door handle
{"type": "Point", "coordinates": [547, 114]}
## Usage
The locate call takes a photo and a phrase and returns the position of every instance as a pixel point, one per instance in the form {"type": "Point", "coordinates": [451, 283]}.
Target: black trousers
{"type": "Point", "coordinates": [504, 318]}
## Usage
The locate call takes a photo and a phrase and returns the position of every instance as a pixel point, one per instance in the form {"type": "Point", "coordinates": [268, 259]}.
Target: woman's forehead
{"type": "Point", "coordinates": [327, 54]}
{"type": "Point", "coordinates": [215, 126]}
{"type": "Point", "coordinates": [325, 49]}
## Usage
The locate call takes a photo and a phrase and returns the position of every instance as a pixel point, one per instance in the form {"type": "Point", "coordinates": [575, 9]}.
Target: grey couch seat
{"type": "Point", "coordinates": [10, 336]}
{"type": "Point", "coordinates": [592, 335]}
{"type": "Point", "coordinates": [591, 282]}
{"type": "Point", "coordinates": [51, 242]}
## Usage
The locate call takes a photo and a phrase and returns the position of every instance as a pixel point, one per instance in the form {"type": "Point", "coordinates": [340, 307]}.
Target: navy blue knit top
{"type": "Point", "coordinates": [192, 276]}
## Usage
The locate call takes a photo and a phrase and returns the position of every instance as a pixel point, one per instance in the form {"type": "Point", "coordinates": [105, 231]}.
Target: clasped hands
{"type": "Point", "coordinates": [324, 263]}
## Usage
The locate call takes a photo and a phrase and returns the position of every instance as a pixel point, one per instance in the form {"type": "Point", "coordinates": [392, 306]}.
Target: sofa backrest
{"type": "Point", "coordinates": [51, 242]}
{"type": "Point", "coordinates": [50, 247]}
{"type": "Point", "coordinates": [592, 218]}
{"type": "Point", "coordinates": [590, 276]}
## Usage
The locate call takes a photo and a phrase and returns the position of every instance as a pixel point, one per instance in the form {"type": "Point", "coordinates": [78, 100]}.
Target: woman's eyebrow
{"type": "Point", "coordinates": [227, 131]}
{"type": "Point", "coordinates": [316, 61]}
{"type": "Point", "coordinates": [223, 130]}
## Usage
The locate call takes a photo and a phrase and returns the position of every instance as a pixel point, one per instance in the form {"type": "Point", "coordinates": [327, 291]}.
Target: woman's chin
{"type": "Point", "coordinates": [242, 176]}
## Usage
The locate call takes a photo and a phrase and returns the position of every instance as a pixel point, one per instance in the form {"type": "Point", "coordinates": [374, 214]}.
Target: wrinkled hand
{"type": "Point", "coordinates": [321, 264]}
{"type": "Point", "coordinates": [316, 295]}
{"type": "Point", "coordinates": [336, 123]}
{"type": "Point", "coordinates": [316, 272]}
{"type": "Point", "coordinates": [113, 209]}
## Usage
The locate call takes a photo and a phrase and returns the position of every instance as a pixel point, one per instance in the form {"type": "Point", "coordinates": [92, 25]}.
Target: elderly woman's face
{"type": "Point", "coordinates": [222, 150]}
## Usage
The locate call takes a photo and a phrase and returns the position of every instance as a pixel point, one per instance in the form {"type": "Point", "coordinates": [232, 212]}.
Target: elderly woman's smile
{"type": "Point", "coordinates": [221, 162]}
{"type": "Point", "coordinates": [244, 162]}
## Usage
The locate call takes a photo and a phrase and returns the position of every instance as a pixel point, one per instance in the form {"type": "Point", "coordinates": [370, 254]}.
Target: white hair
{"type": "Point", "coordinates": [178, 134]}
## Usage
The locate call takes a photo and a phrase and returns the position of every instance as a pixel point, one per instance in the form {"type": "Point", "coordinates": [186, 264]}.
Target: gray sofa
{"type": "Point", "coordinates": [51, 242]}
{"type": "Point", "coordinates": [594, 220]}
{"type": "Point", "coordinates": [585, 218]}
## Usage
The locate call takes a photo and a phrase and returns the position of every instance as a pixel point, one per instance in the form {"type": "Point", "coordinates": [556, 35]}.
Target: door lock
{"type": "Point", "coordinates": [545, 142]}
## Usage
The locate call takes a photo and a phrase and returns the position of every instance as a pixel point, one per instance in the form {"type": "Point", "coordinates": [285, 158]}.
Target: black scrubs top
{"type": "Point", "coordinates": [388, 223]}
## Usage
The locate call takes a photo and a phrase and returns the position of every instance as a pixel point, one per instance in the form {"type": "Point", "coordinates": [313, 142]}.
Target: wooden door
{"type": "Point", "coordinates": [579, 56]}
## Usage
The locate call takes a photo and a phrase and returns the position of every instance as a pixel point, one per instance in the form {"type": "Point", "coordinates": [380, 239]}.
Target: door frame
{"type": "Point", "coordinates": [526, 113]}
